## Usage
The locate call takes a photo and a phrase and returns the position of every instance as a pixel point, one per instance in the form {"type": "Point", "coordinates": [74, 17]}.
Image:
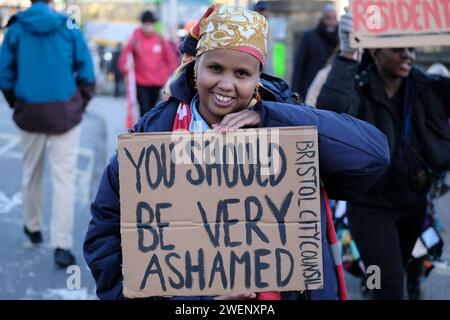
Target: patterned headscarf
{"type": "Point", "coordinates": [224, 27]}
{"type": "Point", "coordinates": [230, 27]}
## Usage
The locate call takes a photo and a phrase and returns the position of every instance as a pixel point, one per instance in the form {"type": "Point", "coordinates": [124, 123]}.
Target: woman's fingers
{"type": "Point", "coordinates": [247, 121]}
{"type": "Point", "coordinates": [229, 119]}
{"type": "Point", "coordinates": [237, 120]}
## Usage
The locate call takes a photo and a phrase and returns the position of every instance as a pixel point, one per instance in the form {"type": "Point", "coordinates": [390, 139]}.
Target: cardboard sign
{"type": "Point", "coordinates": [207, 213]}
{"type": "Point", "coordinates": [400, 23]}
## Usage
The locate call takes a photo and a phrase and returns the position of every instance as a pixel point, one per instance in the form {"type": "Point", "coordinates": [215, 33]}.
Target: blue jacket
{"type": "Point", "coordinates": [352, 155]}
{"type": "Point", "coordinates": [46, 71]}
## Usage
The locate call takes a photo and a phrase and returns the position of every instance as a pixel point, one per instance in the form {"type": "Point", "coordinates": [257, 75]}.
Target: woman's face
{"type": "Point", "coordinates": [395, 62]}
{"type": "Point", "coordinates": [226, 82]}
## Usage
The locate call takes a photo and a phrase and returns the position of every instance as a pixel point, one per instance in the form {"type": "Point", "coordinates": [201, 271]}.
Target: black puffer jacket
{"type": "Point", "coordinates": [362, 95]}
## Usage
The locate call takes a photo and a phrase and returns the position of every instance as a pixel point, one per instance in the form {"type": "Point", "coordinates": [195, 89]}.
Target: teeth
{"type": "Point", "coordinates": [222, 98]}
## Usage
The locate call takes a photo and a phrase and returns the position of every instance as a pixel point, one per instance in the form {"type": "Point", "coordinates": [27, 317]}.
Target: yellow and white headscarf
{"type": "Point", "coordinates": [225, 27]}
{"type": "Point", "coordinates": [230, 27]}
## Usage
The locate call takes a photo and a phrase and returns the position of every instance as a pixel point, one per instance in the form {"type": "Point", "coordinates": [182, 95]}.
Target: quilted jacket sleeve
{"type": "Point", "coordinates": [352, 153]}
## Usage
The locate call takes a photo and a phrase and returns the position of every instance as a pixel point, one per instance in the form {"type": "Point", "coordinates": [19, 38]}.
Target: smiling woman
{"type": "Point", "coordinates": [230, 48]}
{"type": "Point", "coordinates": [220, 86]}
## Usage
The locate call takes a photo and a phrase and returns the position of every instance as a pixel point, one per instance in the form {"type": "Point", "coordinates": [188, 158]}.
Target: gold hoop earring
{"type": "Point", "coordinates": [195, 81]}
{"type": "Point", "coordinates": [257, 94]}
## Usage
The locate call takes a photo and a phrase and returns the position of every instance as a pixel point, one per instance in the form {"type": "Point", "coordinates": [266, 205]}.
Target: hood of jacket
{"type": "Point", "coordinates": [39, 18]}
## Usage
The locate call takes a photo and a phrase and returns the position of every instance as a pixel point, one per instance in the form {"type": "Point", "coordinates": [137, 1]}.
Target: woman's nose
{"type": "Point", "coordinates": [226, 83]}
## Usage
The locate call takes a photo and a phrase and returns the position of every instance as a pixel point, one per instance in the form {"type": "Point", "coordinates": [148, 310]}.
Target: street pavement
{"type": "Point", "coordinates": [28, 271]}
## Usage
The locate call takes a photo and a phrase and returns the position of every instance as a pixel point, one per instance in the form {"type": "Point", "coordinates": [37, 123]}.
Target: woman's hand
{"type": "Point", "coordinates": [238, 120]}
{"type": "Point", "coordinates": [243, 295]}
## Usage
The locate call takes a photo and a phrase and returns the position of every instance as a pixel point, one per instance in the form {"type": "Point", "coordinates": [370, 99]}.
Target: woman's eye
{"type": "Point", "coordinates": [215, 68]}
{"type": "Point", "coordinates": [242, 73]}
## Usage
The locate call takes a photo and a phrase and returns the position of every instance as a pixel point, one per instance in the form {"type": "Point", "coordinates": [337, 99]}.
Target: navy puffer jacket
{"type": "Point", "coordinates": [352, 155]}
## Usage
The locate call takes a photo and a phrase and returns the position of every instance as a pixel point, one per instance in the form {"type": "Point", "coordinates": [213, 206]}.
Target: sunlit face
{"type": "Point", "coordinates": [226, 82]}
{"type": "Point", "coordinates": [394, 62]}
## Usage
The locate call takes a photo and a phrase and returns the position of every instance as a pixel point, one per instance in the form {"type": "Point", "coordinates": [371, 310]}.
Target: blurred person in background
{"type": "Point", "coordinates": [47, 77]}
{"type": "Point", "coordinates": [319, 80]}
{"type": "Point", "coordinates": [412, 109]}
{"type": "Point", "coordinates": [314, 50]}
{"type": "Point", "coordinates": [154, 60]}
{"type": "Point", "coordinates": [261, 7]}
{"type": "Point", "coordinates": [119, 86]}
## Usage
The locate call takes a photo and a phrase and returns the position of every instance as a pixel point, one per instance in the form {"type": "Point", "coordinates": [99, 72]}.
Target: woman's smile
{"type": "Point", "coordinates": [222, 101]}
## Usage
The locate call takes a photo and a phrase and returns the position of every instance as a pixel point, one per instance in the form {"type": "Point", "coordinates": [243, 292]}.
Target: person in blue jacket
{"type": "Point", "coordinates": [224, 89]}
{"type": "Point", "coordinates": [47, 77]}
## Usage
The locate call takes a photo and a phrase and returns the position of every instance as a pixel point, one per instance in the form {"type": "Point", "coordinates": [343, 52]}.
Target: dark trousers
{"type": "Point", "coordinates": [147, 97]}
{"type": "Point", "coordinates": [386, 239]}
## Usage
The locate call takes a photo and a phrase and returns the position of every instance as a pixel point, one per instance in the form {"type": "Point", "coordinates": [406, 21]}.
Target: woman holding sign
{"type": "Point", "coordinates": [412, 109]}
{"type": "Point", "coordinates": [220, 86]}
